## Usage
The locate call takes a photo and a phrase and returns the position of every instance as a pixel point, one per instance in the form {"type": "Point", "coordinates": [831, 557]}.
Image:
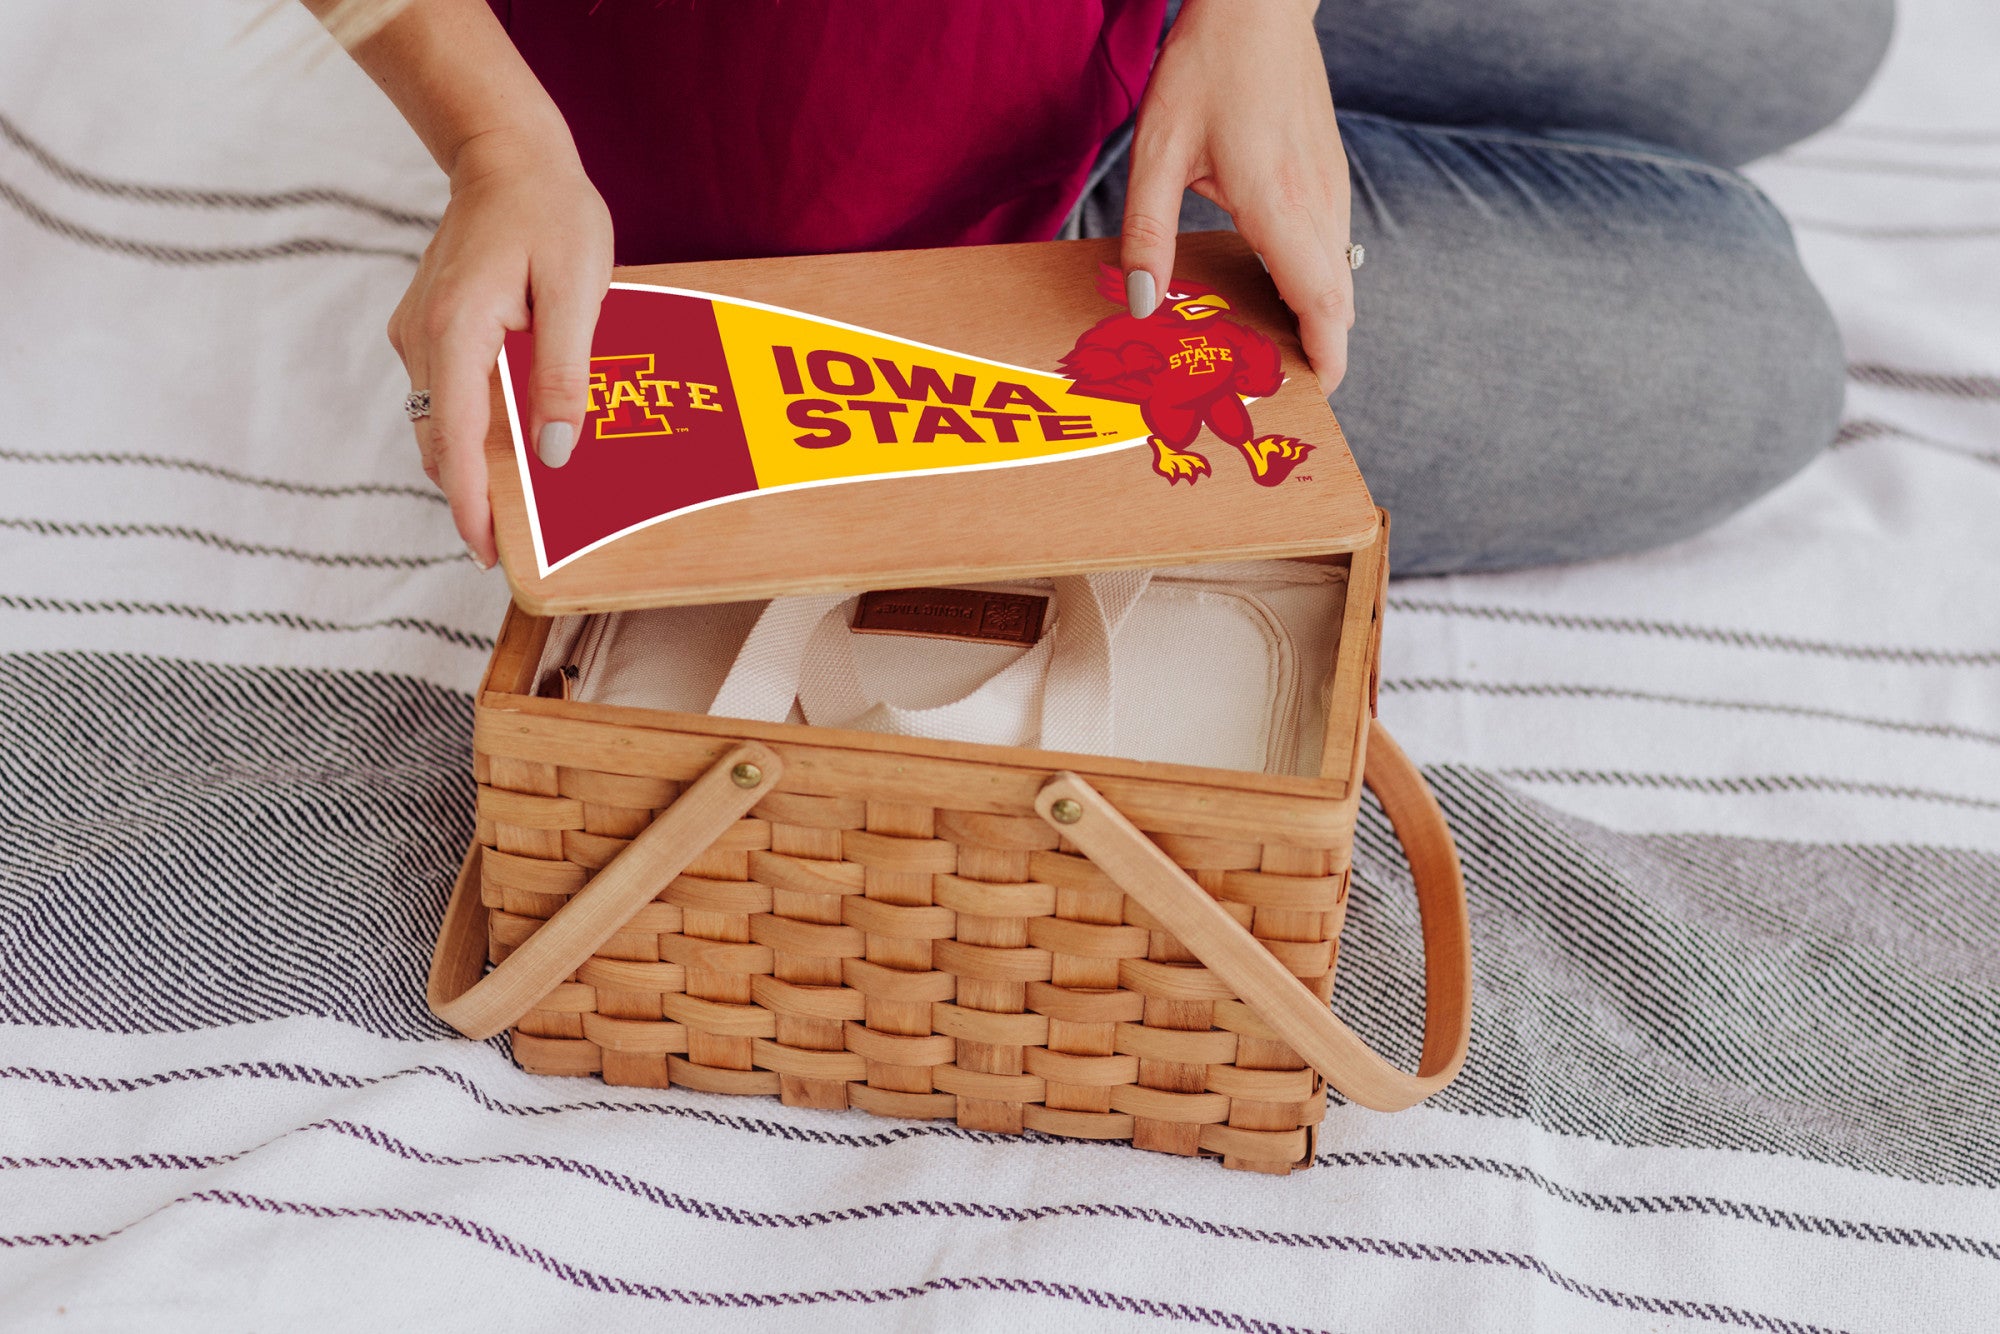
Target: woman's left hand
{"type": "Point", "coordinates": [1238, 109]}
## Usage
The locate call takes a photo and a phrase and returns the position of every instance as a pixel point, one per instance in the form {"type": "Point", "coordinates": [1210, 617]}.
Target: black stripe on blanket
{"type": "Point", "coordinates": [676, 1201]}
{"type": "Point", "coordinates": [184, 845]}
{"type": "Point", "coordinates": [1921, 134]}
{"type": "Point", "coordinates": [1722, 636]}
{"type": "Point", "coordinates": [1183, 1313]}
{"type": "Point", "coordinates": [1859, 429]}
{"type": "Point", "coordinates": [351, 560]}
{"type": "Point", "coordinates": [1568, 692]}
{"type": "Point", "coordinates": [283, 620]}
{"type": "Point", "coordinates": [190, 197]}
{"type": "Point", "coordinates": [1924, 382]}
{"type": "Point", "coordinates": [1751, 785]}
{"type": "Point", "coordinates": [1840, 1003]}
{"type": "Point", "coordinates": [1885, 167]}
{"type": "Point", "coordinates": [162, 253]}
{"type": "Point", "coordinates": [1906, 232]}
{"type": "Point", "coordinates": [113, 458]}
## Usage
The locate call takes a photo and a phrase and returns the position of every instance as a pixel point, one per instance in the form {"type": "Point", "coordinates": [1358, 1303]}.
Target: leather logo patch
{"type": "Point", "coordinates": [953, 613]}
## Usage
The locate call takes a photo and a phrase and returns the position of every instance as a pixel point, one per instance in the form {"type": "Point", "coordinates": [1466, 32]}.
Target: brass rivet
{"type": "Point", "coordinates": [747, 775]}
{"type": "Point", "coordinates": [1066, 811]}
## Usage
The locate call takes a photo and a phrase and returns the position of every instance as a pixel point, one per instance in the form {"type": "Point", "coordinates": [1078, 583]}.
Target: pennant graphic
{"type": "Point", "coordinates": [700, 400]}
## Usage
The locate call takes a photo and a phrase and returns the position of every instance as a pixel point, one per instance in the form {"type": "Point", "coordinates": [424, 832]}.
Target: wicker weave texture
{"type": "Point", "coordinates": [914, 961]}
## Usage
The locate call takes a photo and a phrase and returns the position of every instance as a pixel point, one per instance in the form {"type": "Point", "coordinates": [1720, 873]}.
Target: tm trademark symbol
{"type": "Point", "coordinates": [1306, 477]}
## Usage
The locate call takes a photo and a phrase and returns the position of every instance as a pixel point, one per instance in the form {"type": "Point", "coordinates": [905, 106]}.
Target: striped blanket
{"type": "Point", "coordinates": [1730, 816]}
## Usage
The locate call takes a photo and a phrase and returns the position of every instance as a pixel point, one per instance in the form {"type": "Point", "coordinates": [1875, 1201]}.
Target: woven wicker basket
{"type": "Point", "coordinates": [1014, 939]}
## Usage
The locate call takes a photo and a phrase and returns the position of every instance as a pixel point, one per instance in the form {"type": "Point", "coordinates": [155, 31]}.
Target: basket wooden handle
{"type": "Point", "coordinates": [1297, 1016]}
{"type": "Point", "coordinates": [479, 1006]}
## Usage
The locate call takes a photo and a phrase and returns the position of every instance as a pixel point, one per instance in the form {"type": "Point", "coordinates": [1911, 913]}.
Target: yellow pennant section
{"type": "Point", "coordinates": [825, 402]}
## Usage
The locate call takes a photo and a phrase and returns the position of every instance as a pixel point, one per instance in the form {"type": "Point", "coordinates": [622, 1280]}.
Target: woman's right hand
{"type": "Point", "coordinates": [525, 241]}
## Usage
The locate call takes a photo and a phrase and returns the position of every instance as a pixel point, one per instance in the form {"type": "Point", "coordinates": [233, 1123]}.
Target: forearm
{"type": "Point", "coordinates": [451, 70]}
{"type": "Point", "coordinates": [1254, 10]}
{"type": "Point", "coordinates": [525, 241]}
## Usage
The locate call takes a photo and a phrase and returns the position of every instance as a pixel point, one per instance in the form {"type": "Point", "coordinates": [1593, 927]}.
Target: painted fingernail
{"type": "Point", "coordinates": [476, 558]}
{"type": "Point", "coordinates": [1140, 293]}
{"type": "Point", "coordinates": [555, 444]}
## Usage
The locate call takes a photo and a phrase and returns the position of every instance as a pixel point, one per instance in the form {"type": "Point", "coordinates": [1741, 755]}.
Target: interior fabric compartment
{"type": "Point", "coordinates": [1224, 666]}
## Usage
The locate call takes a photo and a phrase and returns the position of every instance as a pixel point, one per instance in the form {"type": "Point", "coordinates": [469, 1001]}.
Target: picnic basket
{"type": "Point", "coordinates": [1016, 939]}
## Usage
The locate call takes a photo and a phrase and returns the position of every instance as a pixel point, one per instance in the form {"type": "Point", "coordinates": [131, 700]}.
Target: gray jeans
{"type": "Point", "coordinates": [1579, 332]}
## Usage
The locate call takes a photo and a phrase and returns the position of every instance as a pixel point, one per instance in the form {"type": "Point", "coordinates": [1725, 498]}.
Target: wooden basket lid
{"type": "Point", "coordinates": [696, 414]}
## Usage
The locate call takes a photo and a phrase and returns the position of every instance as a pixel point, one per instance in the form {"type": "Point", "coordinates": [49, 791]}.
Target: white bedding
{"type": "Point", "coordinates": [1730, 814]}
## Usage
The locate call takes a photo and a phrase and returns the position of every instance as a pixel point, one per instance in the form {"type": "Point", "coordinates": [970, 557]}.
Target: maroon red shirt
{"type": "Point", "coordinates": [733, 128]}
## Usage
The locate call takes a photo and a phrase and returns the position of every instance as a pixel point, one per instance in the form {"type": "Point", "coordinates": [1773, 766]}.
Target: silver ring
{"type": "Point", "coordinates": [417, 405]}
{"type": "Point", "coordinates": [1356, 256]}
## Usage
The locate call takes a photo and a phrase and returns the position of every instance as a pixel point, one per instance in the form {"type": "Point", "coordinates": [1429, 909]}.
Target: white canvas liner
{"type": "Point", "coordinates": [1220, 665]}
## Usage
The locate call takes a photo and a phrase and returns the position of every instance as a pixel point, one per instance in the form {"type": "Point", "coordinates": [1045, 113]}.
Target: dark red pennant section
{"type": "Point", "coordinates": [663, 432]}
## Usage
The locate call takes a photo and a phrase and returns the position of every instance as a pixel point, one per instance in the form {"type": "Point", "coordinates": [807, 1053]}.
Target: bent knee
{"type": "Point", "coordinates": [1812, 69]}
{"type": "Point", "coordinates": [1518, 404]}
{"type": "Point", "coordinates": [1727, 81]}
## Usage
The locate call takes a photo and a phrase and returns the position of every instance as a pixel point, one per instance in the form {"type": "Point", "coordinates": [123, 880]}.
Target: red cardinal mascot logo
{"type": "Point", "coordinates": [1185, 368]}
